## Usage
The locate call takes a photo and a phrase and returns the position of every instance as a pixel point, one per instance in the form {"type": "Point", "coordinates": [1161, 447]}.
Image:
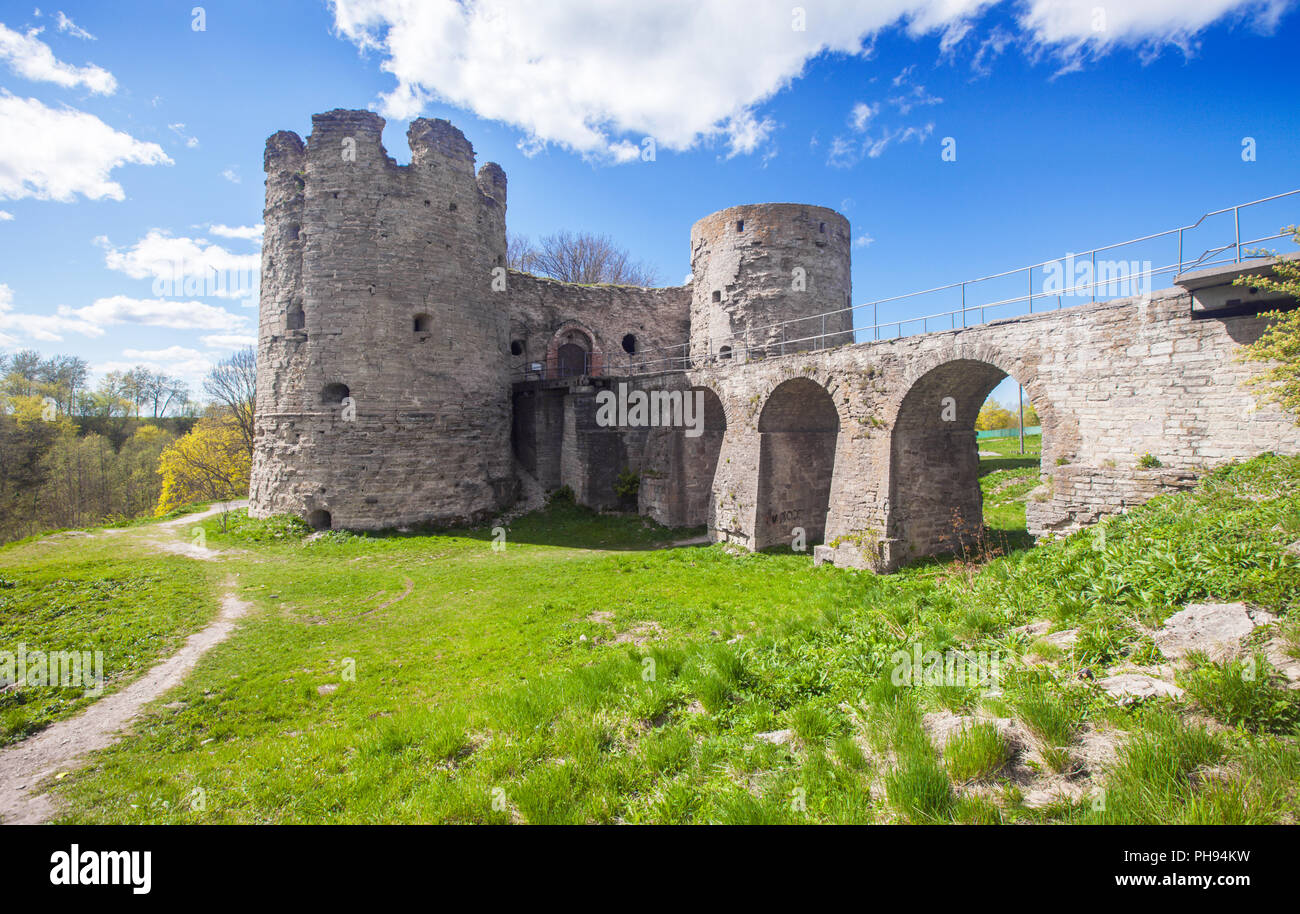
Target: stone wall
{"type": "Point", "coordinates": [383, 380]}
{"type": "Point", "coordinates": [601, 318]}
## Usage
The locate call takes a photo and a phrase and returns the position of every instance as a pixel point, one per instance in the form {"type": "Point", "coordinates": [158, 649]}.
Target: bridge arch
{"type": "Point", "coordinates": [935, 502]}
{"type": "Point", "coordinates": [797, 430]}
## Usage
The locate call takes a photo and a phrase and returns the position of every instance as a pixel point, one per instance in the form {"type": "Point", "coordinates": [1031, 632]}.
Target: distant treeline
{"type": "Point", "coordinates": [135, 445]}
{"type": "Point", "coordinates": [55, 474]}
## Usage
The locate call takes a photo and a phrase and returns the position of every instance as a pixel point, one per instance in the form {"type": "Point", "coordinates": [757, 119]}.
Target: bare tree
{"type": "Point", "coordinates": [520, 253]}
{"type": "Point", "coordinates": [233, 383]}
{"type": "Point", "coordinates": [580, 258]}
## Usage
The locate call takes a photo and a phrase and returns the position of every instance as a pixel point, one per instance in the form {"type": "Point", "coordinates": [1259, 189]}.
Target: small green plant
{"type": "Point", "coordinates": [920, 790]}
{"type": "Point", "coordinates": [1052, 721]}
{"type": "Point", "coordinates": [1149, 462]}
{"type": "Point", "coordinates": [627, 486]}
{"type": "Point", "coordinates": [1240, 693]}
{"type": "Point", "coordinates": [976, 753]}
{"type": "Point", "coordinates": [561, 496]}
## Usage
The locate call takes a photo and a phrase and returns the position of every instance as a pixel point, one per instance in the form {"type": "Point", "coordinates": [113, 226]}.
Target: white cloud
{"type": "Point", "coordinates": [231, 175]}
{"type": "Point", "coordinates": [914, 96]}
{"type": "Point", "coordinates": [191, 142]}
{"type": "Point", "coordinates": [746, 133]}
{"type": "Point", "coordinates": [583, 74]}
{"type": "Point", "coordinates": [156, 312]}
{"type": "Point", "coordinates": [6, 216]}
{"type": "Point", "coordinates": [170, 354]}
{"type": "Point", "coordinates": [186, 266]}
{"type": "Point", "coordinates": [861, 114]}
{"type": "Point", "coordinates": [67, 25]}
{"type": "Point", "coordinates": [1076, 30]}
{"type": "Point", "coordinates": [990, 49]}
{"type": "Point", "coordinates": [58, 153]}
{"type": "Point", "coordinates": [228, 341]}
{"type": "Point", "coordinates": [875, 147]}
{"type": "Point", "coordinates": [31, 58]}
{"type": "Point", "coordinates": [588, 75]}
{"type": "Point", "coordinates": [246, 232]}
{"type": "Point", "coordinates": [863, 241]}
{"type": "Point", "coordinates": [44, 327]}
{"type": "Point", "coordinates": [191, 371]}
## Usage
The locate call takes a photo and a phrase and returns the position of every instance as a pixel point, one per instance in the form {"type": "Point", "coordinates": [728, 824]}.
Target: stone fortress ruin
{"type": "Point", "coordinates": [406, 376]}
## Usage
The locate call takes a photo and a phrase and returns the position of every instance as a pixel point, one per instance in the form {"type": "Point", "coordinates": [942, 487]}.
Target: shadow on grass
{"type": "Point", "coordinates": [563, 525]}
{"type": "Point", "coordinates": [993, 464]}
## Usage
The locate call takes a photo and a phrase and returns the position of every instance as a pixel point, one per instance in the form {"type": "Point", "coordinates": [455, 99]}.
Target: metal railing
{"type": "Point", "coordinates": [782, 337]}
{"type": "Point", "coordinates": [554, 368]}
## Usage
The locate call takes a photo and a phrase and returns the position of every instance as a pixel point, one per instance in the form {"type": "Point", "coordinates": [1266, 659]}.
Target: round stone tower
{"type": "Point", "coordinates": [757, 266]}
{"type": "Point", "coordinates": [382, 381]}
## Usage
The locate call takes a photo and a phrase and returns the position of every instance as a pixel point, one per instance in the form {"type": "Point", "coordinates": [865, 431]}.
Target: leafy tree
{"type": "Point", "coordinates": [994, 415]}
{"type": "Point", "coordinates": [1280, 342]}
{"type": "Point", "coordinates": [211, 463]}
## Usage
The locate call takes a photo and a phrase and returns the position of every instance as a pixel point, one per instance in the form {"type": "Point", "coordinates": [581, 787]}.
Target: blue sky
{"type": "Point", "coordinates": [128, 135]}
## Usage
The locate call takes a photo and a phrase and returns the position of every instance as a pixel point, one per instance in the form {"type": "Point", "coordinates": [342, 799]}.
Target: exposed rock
{"type": "Point", "coordinates": [1128, 688]}
{"type": "Point", "coordinates": [327, 688]}
{"type": "Point", "coordinates": [776, 737]}
{"type": "Point", "coordinates": [1033, 629]}
{"type": "Point", "coordinates": [1215, 629]}
{"type": "Point", "coordinates": [1277, 652]}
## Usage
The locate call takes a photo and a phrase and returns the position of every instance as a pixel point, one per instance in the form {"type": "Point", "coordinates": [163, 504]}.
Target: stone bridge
{"type": "Point", "coordinates": [870, 448]}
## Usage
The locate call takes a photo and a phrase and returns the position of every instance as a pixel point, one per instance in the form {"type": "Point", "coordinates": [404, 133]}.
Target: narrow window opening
{"type": "Point", "coordinates": [422, 323]}
{"type": "Point", "coordinates": [822, 228]}
{"type": "Point", "coordinates": [740, 225]}
{"type": "Point", "coordinates": [334, 394]}
{"type": "Point", "coordinates": [717, 296]}
{"type": "Point", "coordinates": [320, 520]}
{"type": "Point", "coordinates": [724, 352]}
{"type": "Point", "coordinates": [516, 347]}
{"type": "Point", "coordinates": [629, 344]}
{"type": "Point", "coordinates": [296, 319]}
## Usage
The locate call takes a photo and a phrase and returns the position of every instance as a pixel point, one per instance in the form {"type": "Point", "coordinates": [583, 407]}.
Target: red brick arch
{"type": "Point", "coordinates": [579, 334]}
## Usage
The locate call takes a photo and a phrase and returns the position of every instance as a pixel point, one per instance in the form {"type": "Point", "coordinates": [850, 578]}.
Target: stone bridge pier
{"type": "Point", "coordinates": [870, 448]}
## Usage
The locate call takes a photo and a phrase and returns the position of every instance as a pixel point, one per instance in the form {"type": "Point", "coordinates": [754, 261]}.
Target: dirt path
{"type": "Point", "coordinates": [63, 744]}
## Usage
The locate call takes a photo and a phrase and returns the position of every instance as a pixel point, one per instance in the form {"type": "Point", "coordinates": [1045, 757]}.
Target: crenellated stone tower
{"type": "Point", "coordinates": [383, 388]}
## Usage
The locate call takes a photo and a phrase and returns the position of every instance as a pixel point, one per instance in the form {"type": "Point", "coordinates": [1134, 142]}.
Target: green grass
{"type": "Point", "coordinates": [976, 753]}
{"type": "Point", "coordinates": [1006, 482]}
{"type": "Point", "coordinates": [134, 608]}
{"type": "Point", "coordinates": [1052, 716]}
{"type": "Point", "coordinates": [582, 675]}
{"type": "Point", "coordinates": [1242, 693]}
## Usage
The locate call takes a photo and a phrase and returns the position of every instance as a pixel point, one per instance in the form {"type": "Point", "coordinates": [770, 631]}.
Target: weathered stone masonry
{"type": "Point", "coordinates": [405, 376]}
